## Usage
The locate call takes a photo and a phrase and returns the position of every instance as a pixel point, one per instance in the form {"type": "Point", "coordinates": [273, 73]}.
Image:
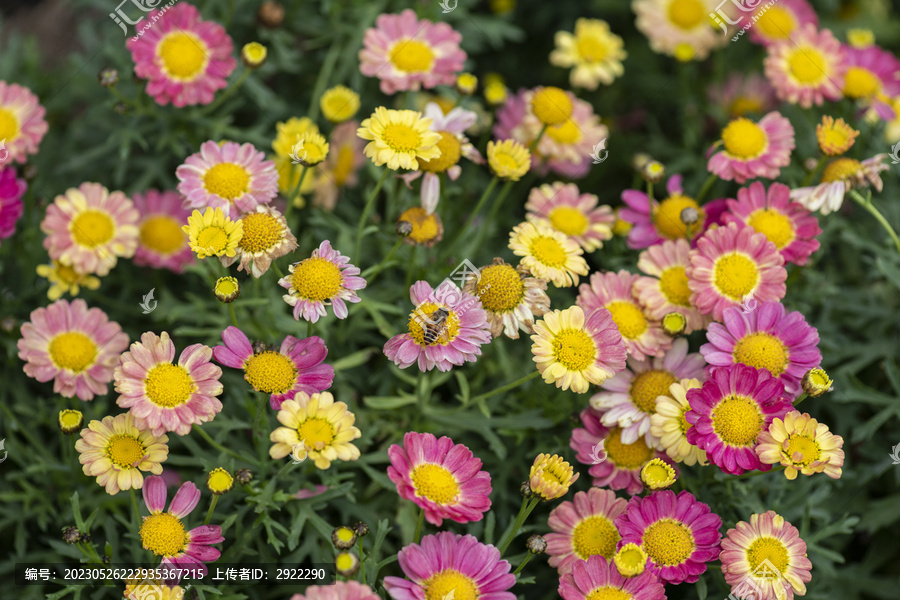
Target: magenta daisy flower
{"type": "Point", "coordinates": [629, 398]}
{"type": "Point", "coordinates": [339, 590]}
{"type": "Point", "coordinates": [163, 245]}
{"type": "Point", "coordinates": [667, 290]}
{"type": "Point", "coordinates": [808, 68]}
{"type": "Point", "coordinates": [788, 225]}
{"type": "Point", "coordinates": [584, 528]}
{"type": "Point", "coordinates": [679, 534]}
{"type": "Point", "coordinates": [326, 278]}
{"type": "Point", "coordinates": [298, 366]}
{"type": "Point", "coordinates": [779, 21]}
{"type": "Point", "coordinates": [731, 265]}
{"type": "Point", "coordinates": [11, 191]}
{"type": "Point", "coordinates": [597, 577]}
{"type": "Point", "coordinates": [184, 58]}
{"type": "Point", "coordinates": [753, 150]}
{"type": "Point", "coordinates": [406, 53]}
{"type": "Point", "coordinates": [615, 292]}
{"type": "Point", "coordinates": [22, 124]}
{"type": "Point", "coordinates": [728, 413]}
{"type": "Point", "coordinates": [447, 564]}
{"type": "Point", "coordinates": [765, 338]}
{"type": "Point", "coordinates": [446, 328]}
{"type": "Point", "coordinates": [163, 396]}
{"type": "Point", "coordinates": [444, 479]}
{"type": "Point", "coordinates": [570, 212]}
{"type": "Point", "coordinates": [76, 347]}
{"type": "Point", "coordinates": [872, 78]}
{"type": "Point", "coordinates": [234, 177]}
{"type": "Point", "coordinates": [163, 533]}
{"type": "Point", "coordinates": [654, 222]}
{"type": "Point", "coordinates": [89, 228]}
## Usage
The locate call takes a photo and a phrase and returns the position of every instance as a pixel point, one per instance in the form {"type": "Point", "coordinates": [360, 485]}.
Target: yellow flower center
{"type": "Point", "coordinates": [860, 82]}
{"type": "Point", "coordinates": [219, 481]}
{"type": "Point", "coordinates": [72, 350]}
{"type": "Point", "coordinates": [840, 169]}
{"type": "Point", "coordinates": [226, 286]}
{"type": "Point", "coordinates": [425, 227]}
{"type": "Point", "coordinates": [270, 372]}
{"type": "Point", "coordinates": [504, 162]}
{"type": "Point", "coordinates": [125, 451]}
{"type": "Point", "coordinates": [548, 251]}
{"type": "Point", "coordinates": [806, 447]}
{"type": "Point", "coordinates": [168, 385]}
{"type": "Point", "coordinates": [9, 125]}
{"type": "Point", "coordinates": [667, 217]}
{"type": "Point", "coordinates": [419, 322]}
{"type": "Point", "coordinates": [777, 23]}
{"type": "Point", "coordinates": [609, 593]}
{"type": "Point", "coordinates": [575, 349]}
{"type": "Point", "coordinates": [317, 279]}
{"type": "Point", "coordinates": [163, 534]}
{"type": "Point", "coordinates": [774, 225]}
{"type": "Point", "coordinates": [92, 228]}
{"type": "Point", "coordinates": [657, 473]}
{"type": "Point", "coordinates": [184, 55]}
{"type": "Point", "coordinates": [646, 386]}
{"type": "Point", "coordinates": [401, 137]}
{"type": "Point", "coordinates": [836, 138]}
{"type": "Point", "coordinates": [595, 535]}
{"type": "Point", "coordinates": [67, 273]}
{"type": "Point", "coordinates": [262, 232]}
{"type": "Point", "coordinates": [213, 239]}
{"type": "Point", "coordinates": [552, 106]}
{"type": "Point", "coordinates": [807, 65]}
{"type": "Point", "coordinates": [339, 106]}
{"type": "Point", "coordinates": [668, 542]}
{"type": "Point", "coordinates": [316, 433]}
{"type": "Point", "coordinates": [762, 351]}
{"type": "Point", "coordinates": [227, 180]}
{"type": "Point", "coordinates": [162, 234]}
{"type": "Point", "coordinates": [450, 151]}
{"type": "Point", "coordinates": [500, 288]}
{"type": "Point", "coordinates": [687, 14]}
{"type": "Point", "coordinates": [628, 318]}
{"type": "Point", "coordinates": [819, 379]}
{"type": "Point", "coordinates": [744, 139]}
{"type": "Point", "coordinates": [435, 483]}
{"type": "Point", "coordinates": [673, 283]}
{"type": "Point", "coordinates": [70, 419]}
{"type": "Point", "coordinates": [737, 420]}
{"type": "Point", "coordinates": [736, 275]}
{"type": "Point", "coordinates": [743, 105]}
{"type": "Point", "coordinates": [770, 549]}
{"type": "Point", "coordinates": [591, 48]}
{"type": "Point", "coordinates": [343, 165]}
{"type": "Point", "coordinates": [630, 560]}
{"type": "Point", "coordinates": [566, 133]}
{"type": "Point", "coordinates": [568, 220]}
{"type": "Point", "coordinates": [450, 583]}
{"type": "Point", "coordinates": [412, 56]}
{"type": "Point", "coordinates": [626, 456]}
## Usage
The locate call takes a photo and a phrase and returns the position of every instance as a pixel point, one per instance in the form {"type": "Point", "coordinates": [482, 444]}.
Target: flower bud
{"type": "Point", "coordinates": [108, 77]}
{"type": "Point", "coordinates": [219, 481]}
{"type": "Point", "coordinates": [254, 55]}
{"type": "Point", "coordinates": [243, 476]}
{"type": "Point", "coordinates": [653, 172]}
{"type": "Point", "coordinates": [536, 544]}
{"type": "Point", "coordinates": [270, 14]}
{"type": "Point", "coordinates": [640, 160]}
{"type": "Point", "coordinates": [346, 564]}
{"type": "Point", "coordinates": [227, 289]}
{"type": "Point", "coordinates": [71, 535]}
{"type": "Point", "coordinates": [362, 530]}
{"type": "Point", "coordinates": [343, 537]}
{"type": "Point", "coordinates": [404, 228]}
{"type": "Point", "coordinates": [70, 421]}
{"type": "Point", "coordinates": [816, 382]}
{"type": "Point", "coordinates": [657, 474]}
{"type": "Point", "coordinates": [466, 84]}
{"type": "Point", "coordinates": [525, 490]}
{"type": "Point", "coordinates": [674, 323]}
{"type": "Point", "coordinates": [690, 215]}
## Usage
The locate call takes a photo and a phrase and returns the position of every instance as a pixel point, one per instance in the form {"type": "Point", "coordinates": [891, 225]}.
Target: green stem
{"type": "Point", "coordinates": [650, 190]}
{"type": "Point", "coordinates": [484, 197]}
{"type": "Point", "coordinates": [278, 270]}
{"type": "Point", "coordinates": [411, 266]}
{"type": "Point", "coordinates": [373, 271]}
{"type": "Point", "coordinates": [292, 197]}
{"type": "Point", "coordinates": [309, 329]}
{"type": "Point", "coordinates": [504, 192]}
{"type": "Point", "coordinates": [707, 185]}
{"type": "Point", "coordinates": [801, 398]}
{"type": "Point", "coordinates": [221, 99]}
{"type": "Point", "coordinates": [231, 312]}
{"type": "Point", "coordinates": [322, 80]}
{"type": "Point", "coordinates": [528, 557]}
{"type": "Point", "coordinates": [217, 445]}
{"type": "Point", "coordinates": [212, 507]}
{"type": "Point", "coordinates": [419, 522]}
{"type": "Point", "coordinates": [366, 211]}
{"type": "Point", "coordinates": [136, 509]}
{"type": "Point", "coordinates": [809, 176]}
{"type": "Point", "coordinates": [524, 511]}
{"type": "Point", "coordinates": [878, 216]}
{"type": "Point", "coordinates": [537, 139]}
{"type": "Point", "coordinates": [362, 561]}
{"type": "Point", "coordinates": [506, 387]}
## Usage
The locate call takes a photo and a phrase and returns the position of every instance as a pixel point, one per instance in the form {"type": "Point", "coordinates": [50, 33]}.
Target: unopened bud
{"type": "Point", "coordinates": [253, 55]}
{"type": "Point", "coordinates": [70, 421]}
{"type": "Point", "coordinates": [243, 476]}
{"type": "Point", "coordinates": [71, 535]}
{"type": "Point", "coordinates": [816, 382]}
{"type": "Point", "coordinates": [270, 14]}
{"type": "Point", "coordinates": [346, 564]}
{"type": "Point", "coordinates": [810, 164]}
{"type": "Point", "coordinates": [108, 77]}
{"type": "Point", "coordinates": [362, 530]}
{"type": "Point", "coordinates": [343, 537]}
{"type": "Point", "coordinates": [640, 160]}
{"type": "Point", "coordinates": [674, 323]}
{"type": "Point", "coordinates": [525, 490]}
{"type": "Point", "coordinates": [227, 289]}
{"type": "Point", "coordinates": [653, 172]}
{"type": "Point", "coordinates": [536, 544]}
{"type": "Point", "coordinates": [466, 84]}
{"type": "Point", "coordinates": [404, 228]}
{"type": "Point", "coordinates": [690, 215]}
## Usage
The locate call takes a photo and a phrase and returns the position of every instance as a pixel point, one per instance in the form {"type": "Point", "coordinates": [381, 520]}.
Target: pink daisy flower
{"type": "Point", "coordinates": [741, 94]}
{"type": "Point", "coordinates": [615, 292]}
{"type": "Point", "coordinates": [11, 191]}
{"type": "Point", "coordinates": [654, 222]}
{"type": "Point", "coordinates": [620, 465]}
{"type": "Point", "coordinates": [808, 68]}
{"type": "Point", "coordinates": [564, 149]}
{"type": "Point", "coordinates": [788, 225]}
{"type": "Point", "coordinates": [184, 58]}
{"type": "Point", "coordinates": [444, 479]}
{"type": "Point", "coordinates": [873, 77]}
{"type": "Point", "coordinates": [76, 347]}
{"type": "Point", "coordinates": [298, 366]}
{"type": "Point", "coordinates": [779, 21]}
{"type": "Point", "coordinates": [753, 149]}
{"type": "Point", "coordinates": [326, 278]}
{"type": "Point", "coordinates": [89, 228]}
{"type": "Point", "coordinates": [728, 413]}
{"type": "Point", "coordinates": [22, 124]}
{"type": "Point", "coordinates": [679, 534]}
{"type": "Point", "coordinates": [598, 577]}
{"type": "Point", "coordinates": [339, 590]}
{"type": "Point", "coordinates": [584, 528]}
{"type": "Point", "coordinates": [765, 338]}
{"type": "Point", "coordinates": [447, 562]}
{"type": "Point", "coordinates": [163, 533]}
{"type": "Point", "coordinates": [234, 177]}
{"type": "Point", "coordinates": [629, 398]}
{"type": "Point", "coordinates": [568, 211]}
{"type": "Point", "coordinates": [446, 328]}
{"type": "Point", "coordinates": [731, 265]}
{"type": "Point", "coordinates": [406, 53]}
{"type": "Point", "coordinates": [163, 396]}
{"type": "Point", "coordinates": [163, 245]}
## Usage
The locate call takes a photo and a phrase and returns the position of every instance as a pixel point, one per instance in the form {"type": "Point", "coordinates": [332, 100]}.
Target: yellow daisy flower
{"type": "Point", "coordinates": [227, 289]}
{"type": "Point", "coordinates": [669, 425]}
{"type": "Point", "coordinates": [551, 477]}
{"type": "Point", "coordinates": [835, 137]}
{"type": "Point", "coordinates": [290, 132]}
{"type": "Point", "coordinates": [339, 104]}
{"type": "Point", "coordinates": [630, 560]}
{"type": "Point", "coordinates": [398, 138]}
{"type": "Point", "coordinates": [594, 51]}
{"type": "Point", "coordinates": [213, 233]}
{"type": "Point", "coordinates": [219, 481]}
{"type": "Point", "coordinates": [315, 149]}
{"type": "Point", "coordinates": [508, 159]}
{"type": "Point", "coordinates": [801, 444]}
{"type": "Point", "coordinates": [548, 254]}
{"type": "Point", "coordinates": [254, 55]}
{"type": "Point", "coordinates": [657, 474]}
{"type": "Point", "coordinates": [70, 421]}
{"type": "Point", "coordinates": [323, 427]}
{"type": "Point", "coordinates": [65, 280]}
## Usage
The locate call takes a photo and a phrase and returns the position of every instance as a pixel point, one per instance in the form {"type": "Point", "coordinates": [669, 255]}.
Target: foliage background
{"type": "Point", "coordinates": [849, 291]}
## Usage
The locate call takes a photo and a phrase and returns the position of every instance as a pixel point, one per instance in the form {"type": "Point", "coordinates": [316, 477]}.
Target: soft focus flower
{"type": "Point", "coordinates": [184, 58]}
{"type": "Point", "coordinates": [679, 28]}
{"type": "Point", "coordinates": [115, 451]}
{"type": "Point", "coordinates": [324, 428]}
{"type": "Point", "coordinates": [743, 93]}
{"type": "Point", "coordinates": [551, 476]}
{"type": "Point", "coordinates": [508, 159]}
{"type": "Point", "coordinates": [754, 150]}
{"type": "Point", "coordinates": [594, 51]}
{"type": "Point", "coordinates": [424, 229]}
{"type": "Point", "coordinates": [88, 228]}
{"type": "Point", "coordinates": [667, 291]}
{"type": "Point", "coordinates": [808, 68]}
{"type": "Point", "coordinates": [584, 528]}
{"type": "Point", "coordinates": [547, 253]}
{"type": "Point", "coordinates": [326, 278]}
{"type": "Point", "coordinates": [213, 233]}
{"type": "Point", "coordinates": [871, 78]}
{"type": "Point", "coordinates": [670, 427]}
{"type": "Point", "coordinates": [816, 382]}
{"type": "Point", "coordinates": [266, 236]}
{"type": "Point", "coordinates": [801, 444]}
{"type": "Point", "coordinates": [495, 90]}
{"type": "Point", "coordinates": [399, 138]}
{"type": "Point", "coordinates": [163, 244]}
{"type": "Point", "coordinates": [860, 38]}
{"type": "Point", "coordinates": [510, 297]}
{"type": "Point", "coordinates": [597, 578]}
{"type": "Point", "coordinates": [11, 191]}
{"type": "Point", "coordinates": [444, 479]}
{"type": "Point", "coordinates": [657, 474]}
{"type": "Point", "coordinates": [340, 167]}
{"type": "Point", "coordinates": [655, 222]}
{"type": "Point", "coordinates": [572, 213]}
{"type": "Point", "coordinates": [65, 280]}
{"type": "Point", "coordinates": [76, 347]}
{"type": "Point", "coordinates": [466, 83]}
{"type": "Point", "coordinates": [778, 22]}
{"type": "Point", "coordinates": [339, 104]}
{"type": "Point", "coordinates": [574, 350]}
{"type": "Point", "coordinates": [22, 123]}
{"type": "Point", "coordinates": [289, 133]}
{"type": "Point", "coordinates": [339, 590]}
{"type": "Point", "coordinates": [551, 105]}
{"type": "Point", "coordinates": [163, 396]}
{"type": "Point", "coordinates": [835, 137]}
{"type": "Point", "coordinates": [839, 177]}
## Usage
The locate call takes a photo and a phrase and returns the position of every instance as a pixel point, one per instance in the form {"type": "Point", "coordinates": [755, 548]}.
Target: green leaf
{"type": "Point", "coordinates": [76, 512]}
{"type": "Point", "coordinates": [388, 402]}
{"type": "Point", "coordinates": [354, 360]}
